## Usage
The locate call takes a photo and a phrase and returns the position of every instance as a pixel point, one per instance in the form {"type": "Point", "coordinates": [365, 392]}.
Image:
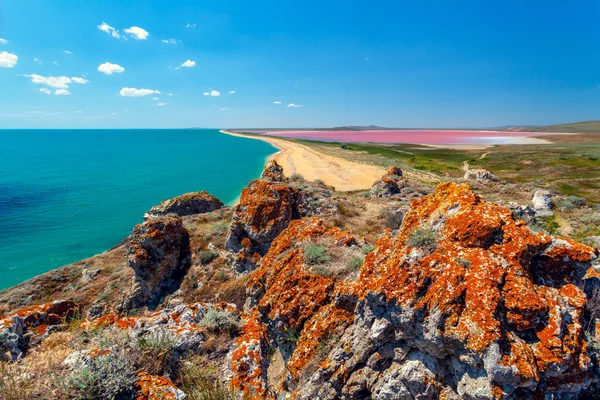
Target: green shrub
{"type": "Point", "coordinates": [297, 178]}
{"type": "Point", "coordinates": [320, 182]}
{"type": "Point", "coordinates": [219, 321]}
{"type": "Point", "coordinates": [315, 254]}
{"type": "Point", "coordinates": [322, 270]}
{"type": "Point", "coordinates": [393, 218]}
{"type": "Point", "coordinates": [423, 239]}
{"type": "Point", "coordinates": [344, 146]}
{"type": "Point", "coordinates": [367, 248]}
{"type": "Point", "coordinates": [207, 256]}
{"type": "Point", "coordinates": [591, 218]}
{"type": "Point", "coordinates": [545, 224]}
{"type": "Point", "coordinates": [577, 201]}
{"type": "Point", "coordinates": [107, 377]}
{"type": "Point", "coordinates": [157, 352]}
{"type": "Point", "coordinates": [355, 263]}
{"type": "Point", "coordinates": [220, 228]}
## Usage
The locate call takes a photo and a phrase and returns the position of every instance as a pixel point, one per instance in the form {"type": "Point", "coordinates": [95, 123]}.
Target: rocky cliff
{"type": "Point", "coordinates": [291, 298]}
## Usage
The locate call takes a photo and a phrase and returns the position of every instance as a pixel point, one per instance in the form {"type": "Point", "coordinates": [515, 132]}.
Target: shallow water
{"type": "Point", "coordinates": [69, 194]}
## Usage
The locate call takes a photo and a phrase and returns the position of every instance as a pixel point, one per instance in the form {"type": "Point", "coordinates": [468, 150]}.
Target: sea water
{"type": "Point", "coordinates": [69, 194]}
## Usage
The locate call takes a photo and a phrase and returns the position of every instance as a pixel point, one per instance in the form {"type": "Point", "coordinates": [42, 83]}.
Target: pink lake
{"type": "Point", "coordinates": [428, 137]}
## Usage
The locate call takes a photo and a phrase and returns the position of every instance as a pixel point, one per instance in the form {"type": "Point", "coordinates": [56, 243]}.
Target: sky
{"type": "Point", "coordinates": [266, 64]}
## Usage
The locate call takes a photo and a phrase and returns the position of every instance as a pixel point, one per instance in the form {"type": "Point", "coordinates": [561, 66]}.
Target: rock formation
{"type": "Point", "coordinates": [390, 184]}
{"type": "Point", "coordinates": [273, 171]}
{"type": "Point", "coordinates": [159, 254]}
{"type": "Point", "coordinates": [477, 307]}
{"type": "Point", "coordinates": [482, 175]}
{"type": "Point", "coordinates": [542, 203]}
{"type": "Point", "coordinates": [264, 211]}
{"type": "Point", "coordinates": [187, 204]}
{"type": "Point", "coordinates": [30, 325]}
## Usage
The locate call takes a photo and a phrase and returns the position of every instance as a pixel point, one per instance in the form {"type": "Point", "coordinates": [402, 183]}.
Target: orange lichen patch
{"type": "Point", "coordinates": [41, 329]}
{"type": "Point", "coordinates": [91, 324]}
{"type": "Point", "coordinates": [325, 326]}
{"type": "Point", "coordinates": [250, 359]}
{"type": "Point", "coordinates": [525, 308]}
{"type": "Point", "coordinates": [95, 353]}
{"type": "Point", "coordinates": [151, 387]}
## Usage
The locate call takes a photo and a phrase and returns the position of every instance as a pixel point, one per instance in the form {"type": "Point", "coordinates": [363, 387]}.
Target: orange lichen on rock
{"type": "Point", "coordinates": [151, 387]}
{"type": "Point", "coordinates": [250, 359]}
{"type": "Point", "coordinates": [488, 289]}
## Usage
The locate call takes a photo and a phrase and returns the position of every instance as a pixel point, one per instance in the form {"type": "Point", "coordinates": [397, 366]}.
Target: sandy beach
{"type": "Point", "coordinates": [295, 158]}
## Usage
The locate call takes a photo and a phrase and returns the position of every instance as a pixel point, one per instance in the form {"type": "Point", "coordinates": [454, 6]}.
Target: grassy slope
{"type": "Point", "coordinates": [576, 127]}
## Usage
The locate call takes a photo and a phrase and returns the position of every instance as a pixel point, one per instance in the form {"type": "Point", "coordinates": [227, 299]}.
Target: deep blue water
{"type": "Point", "coordinates": [69, 194]}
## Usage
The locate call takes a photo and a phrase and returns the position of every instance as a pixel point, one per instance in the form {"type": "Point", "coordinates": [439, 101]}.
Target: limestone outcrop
{"type": "Point", "coordinates": [465, 302]}
{"type": "Point", "coordinates": [264, 211]}
{"type": "Point", "coordinates": [187, 204]}
{"type": "Point", "coordinates": [159, 254]}
{"type": "Point", "coordinates": [390, 184]}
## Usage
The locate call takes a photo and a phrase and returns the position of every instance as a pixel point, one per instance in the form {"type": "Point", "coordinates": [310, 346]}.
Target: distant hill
{"type": "Point", "coordinates": [576, 127]}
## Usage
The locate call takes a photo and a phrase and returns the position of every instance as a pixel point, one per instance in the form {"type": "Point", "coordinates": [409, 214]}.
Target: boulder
{"type": "Point", "coordinates": [273, 172]}
{"type": "Point", "coordinates": [31, 325]}
{"type": "Point", "coordinates": [481, 175]}
{"type": "Point", "coordinates": [187, 204]}
{"type": "Point", "coordinates": [159, 254]}
{"type": "Point", "coordinates": [389, 185]}
{"type": "Point", "coordinates": [486, 309]}
{"type": "Point", "coordinates": [264, 211]}
{"type": "Point", "coordinates": [542, 203]}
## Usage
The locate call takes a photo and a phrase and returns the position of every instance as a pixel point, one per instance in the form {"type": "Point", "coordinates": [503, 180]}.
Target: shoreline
{"type": "Point", "coordinates": [299, 159]}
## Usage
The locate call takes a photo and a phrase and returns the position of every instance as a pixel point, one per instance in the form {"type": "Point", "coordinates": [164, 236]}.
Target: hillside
{"type": "Point", "coordinates": [575, 127]}
{"type": "Point", "coordinates": [406, 290]}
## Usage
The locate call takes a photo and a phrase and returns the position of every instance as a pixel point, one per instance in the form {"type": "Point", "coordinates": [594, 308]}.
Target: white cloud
{"type": "Point", "coordinates": [113, 114]}
{"type": "Point", "coordinates": [276, 102]}
{"type": "Point", "coordinates": [8, 60]}
{"type": "Point", "coordinates": [3, 41]}
{"type": "Point", "coordinates": [224, 109]}
{"type": "Point", "coordinates": [188, 64]}
{"type": "Point", "coordinates": [38, 61]}
{"type": "Point", "coordinates": [110, 30]}
{"type": "Point", "coordinates": [62, 92]}
{"type": "Point", "coordinates": [292, 105]}
{"type": "Point", "coordinates": [81, 81]}
{"type": "Point", "coordinates": [214, 93]}
{"type": "Point", "coordinates": [170, 94]}
{"type": "Point", "coordinates": [189, 25]}
{"type": "Point", "coordinates": [155, 99]}
{"type": "Point", "coordinates": [137, 33]}
{"type": "Point", "coordinates": [206, 94]}
{"type": "Point", "coordinates": [55, 63]}
{"type": "Point", "coordinates": [170, 41]}
{"type": "Point", "coordinates": [231, 92]}
{"type": "Point", "coordinates": [133, 92]}
{"type": "Point", "coordinates": [44, 90]}
{"type": "Point", "coordinates": [109, 69]}
{"type": "Point", "coordinates": [67, 52]}
{"type": "Point", "coordinates": [161, 104]}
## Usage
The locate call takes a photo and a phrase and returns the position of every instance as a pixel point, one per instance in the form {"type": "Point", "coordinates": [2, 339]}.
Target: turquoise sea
{"type": "Point", "coordinates": [69, 194]}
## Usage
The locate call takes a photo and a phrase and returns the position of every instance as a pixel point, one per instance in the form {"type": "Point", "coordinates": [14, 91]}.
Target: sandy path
{"type": "Point", "coordinates": [299, 159]}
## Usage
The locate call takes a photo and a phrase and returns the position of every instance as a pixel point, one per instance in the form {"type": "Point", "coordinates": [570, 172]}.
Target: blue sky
{"type": "Point", "coordinates": [392, 63]}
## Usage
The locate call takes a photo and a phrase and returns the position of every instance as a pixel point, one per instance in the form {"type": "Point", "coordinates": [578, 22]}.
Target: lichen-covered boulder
{"type": "Point", "coordinates": [188, 324]}
{"type": "Point", "coordinates": [31, 325]}
{"type": "Point", "coordinates": [264, 211]}
{"type": "Point", "coordinates": [464, 302]}
{"type": "Point", "coordinates": [390, 184]}
{"type": "Point", "coordinates": [187, 204]}
{"type": "Point", "coordinates": [159, 254]}
{"type": "Point", "coordinates": [273, 171]}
